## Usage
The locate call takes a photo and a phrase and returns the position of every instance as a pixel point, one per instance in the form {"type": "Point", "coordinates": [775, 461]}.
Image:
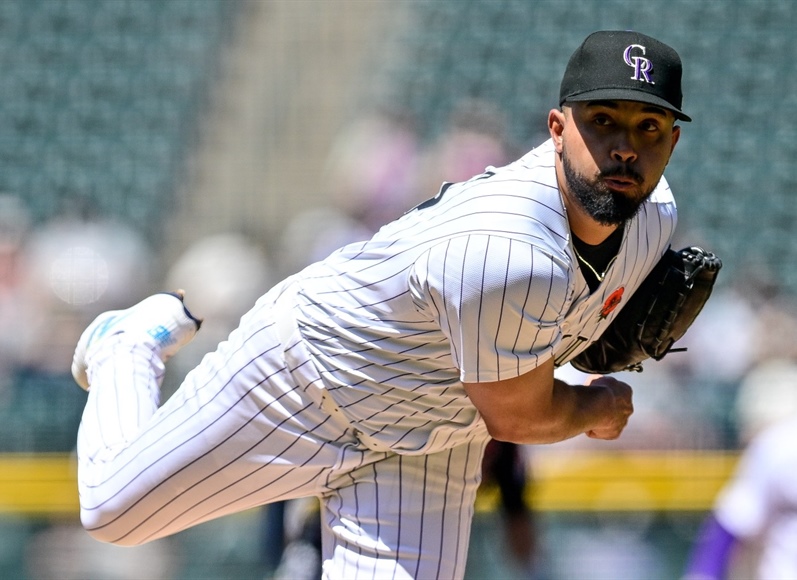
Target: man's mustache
{"type": "Point", "coordinates": [622, 172]}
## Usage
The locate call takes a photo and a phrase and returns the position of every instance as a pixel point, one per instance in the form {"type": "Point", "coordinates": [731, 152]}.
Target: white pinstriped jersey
{"type": "Point", "coordinates": [478, 284]}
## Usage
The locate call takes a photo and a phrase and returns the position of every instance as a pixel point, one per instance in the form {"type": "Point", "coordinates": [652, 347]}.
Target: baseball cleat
{"type": "Point", "coordinates": [162, 320]}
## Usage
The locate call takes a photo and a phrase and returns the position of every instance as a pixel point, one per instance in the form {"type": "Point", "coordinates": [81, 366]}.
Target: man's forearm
{"type": "Point", "coordinates": [536, 408]}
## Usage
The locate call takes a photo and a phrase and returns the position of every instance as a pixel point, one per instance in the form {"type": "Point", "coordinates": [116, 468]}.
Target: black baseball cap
{"type": "Point", "coordinates": [626, 66]}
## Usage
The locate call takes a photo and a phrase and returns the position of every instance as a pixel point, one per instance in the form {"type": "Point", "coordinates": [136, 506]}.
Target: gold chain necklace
{"type": "Point", "coordinates": [599, 277]}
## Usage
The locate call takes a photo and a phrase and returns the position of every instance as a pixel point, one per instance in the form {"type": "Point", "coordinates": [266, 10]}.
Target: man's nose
{"type": "Point", "coordinates": [623, 150]}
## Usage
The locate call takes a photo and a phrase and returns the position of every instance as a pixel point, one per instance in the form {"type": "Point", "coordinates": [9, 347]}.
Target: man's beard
{"type": "Point", "coordinates": [607, 207]}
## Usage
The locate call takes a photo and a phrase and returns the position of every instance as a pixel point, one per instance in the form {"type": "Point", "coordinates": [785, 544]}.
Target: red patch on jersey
{"type": "Point", "coordinates": [611, 302]}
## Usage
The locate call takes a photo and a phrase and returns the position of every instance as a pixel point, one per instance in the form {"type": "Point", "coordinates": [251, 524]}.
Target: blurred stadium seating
{"type": "Point", "coordinates": [99, 105]}
{"type": "Point", "coordinates": [101, 98]}
{"type": "Point", "coordinates": [734, 168]}
{"type": "Point", "coordinates": [102, 103]}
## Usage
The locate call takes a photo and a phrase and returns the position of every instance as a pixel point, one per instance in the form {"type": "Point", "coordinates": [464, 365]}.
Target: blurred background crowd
{"type": "Point", "coordinates": [219, 145]}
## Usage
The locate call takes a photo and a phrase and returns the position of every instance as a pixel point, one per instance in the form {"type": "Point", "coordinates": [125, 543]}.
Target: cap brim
{"type": "Point", "coordinates": [627, 95]}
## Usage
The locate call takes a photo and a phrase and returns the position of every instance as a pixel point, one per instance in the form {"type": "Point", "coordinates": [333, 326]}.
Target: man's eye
{"type": "Point", "coordinates": [603, 121]}
{"type": "Point", "coordinates": [649, 126]}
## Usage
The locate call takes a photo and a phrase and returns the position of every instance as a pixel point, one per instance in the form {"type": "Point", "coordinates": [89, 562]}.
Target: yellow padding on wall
{"type": "Point", "coordinates": [623, 480]}
{"type": "Point", "coordinates": [38, 484]}
{"type": "Point", "coordinates": [44, 484]}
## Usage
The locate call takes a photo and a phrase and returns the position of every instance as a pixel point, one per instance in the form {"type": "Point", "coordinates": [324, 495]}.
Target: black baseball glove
{"type": "Point", "coordinates": [657, 315]}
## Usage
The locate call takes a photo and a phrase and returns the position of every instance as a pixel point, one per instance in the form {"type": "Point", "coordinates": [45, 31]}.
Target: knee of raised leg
{"type": "Point", "coordinates": [101, 529]}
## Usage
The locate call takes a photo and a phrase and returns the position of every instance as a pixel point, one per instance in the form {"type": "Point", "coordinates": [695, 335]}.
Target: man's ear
{"type": "Point", "coordinates": [676, 134]}
{"type": "Point", "coordinates": [556, 127]}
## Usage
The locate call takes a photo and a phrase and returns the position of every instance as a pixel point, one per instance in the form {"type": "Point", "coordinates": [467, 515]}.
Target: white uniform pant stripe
{"type": "Point", "coordinates": [417, 526]}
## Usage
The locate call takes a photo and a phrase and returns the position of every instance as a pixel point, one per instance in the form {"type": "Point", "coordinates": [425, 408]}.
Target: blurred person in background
{"type": "Point", "coordinates": [55, 276]}
{"type": "Point", "coordinates": [474, 137]}
{"type": "Point", "coordinates": [77, 266]}
{"type": "Point", "coordinates": [223, 273]}
{"type": "Point", "coordinates": [752, 529]}
{"type": "Point", "coordinates": [370, 168]}
{"type": "Point", "coordinates": [315, 232]}
{"type": "Point", "coordinates": [505, 466]}
{"type": "Point", "coordinates": [15, 223]}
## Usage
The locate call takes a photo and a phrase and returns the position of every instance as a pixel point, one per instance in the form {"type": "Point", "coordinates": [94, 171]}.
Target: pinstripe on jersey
{"type": "Point", "coordinates": [481, 284]}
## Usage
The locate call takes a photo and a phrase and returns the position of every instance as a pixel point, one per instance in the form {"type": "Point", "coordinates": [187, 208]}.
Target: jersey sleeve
{"type": "Point", "coordinates": [499, 301]}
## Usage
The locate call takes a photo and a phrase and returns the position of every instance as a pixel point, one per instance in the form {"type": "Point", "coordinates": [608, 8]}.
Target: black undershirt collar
{"type": "Point", "coordinates": [598, 256]}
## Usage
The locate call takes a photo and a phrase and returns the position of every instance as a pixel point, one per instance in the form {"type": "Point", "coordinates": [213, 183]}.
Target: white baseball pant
{"type": "Point", "coordinates": [241, 432]}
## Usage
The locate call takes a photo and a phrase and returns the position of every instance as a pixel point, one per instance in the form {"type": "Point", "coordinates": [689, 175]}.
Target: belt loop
{"type": "Point", "coordinates": [329, 405]}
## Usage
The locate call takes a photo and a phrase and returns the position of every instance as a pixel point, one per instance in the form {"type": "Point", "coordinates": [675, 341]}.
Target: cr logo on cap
{"type": "Point", "coordinates": [641, 65]}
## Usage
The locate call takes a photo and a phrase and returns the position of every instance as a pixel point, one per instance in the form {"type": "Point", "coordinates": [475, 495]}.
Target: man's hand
{"type": "Point", "coordinates": [620, 407]}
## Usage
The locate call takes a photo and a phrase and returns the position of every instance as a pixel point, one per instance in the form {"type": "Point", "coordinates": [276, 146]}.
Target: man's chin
{"type": "Point", "coordinates": [617, 213]}
{"type": "Point", "coordinates": [606, 205]}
